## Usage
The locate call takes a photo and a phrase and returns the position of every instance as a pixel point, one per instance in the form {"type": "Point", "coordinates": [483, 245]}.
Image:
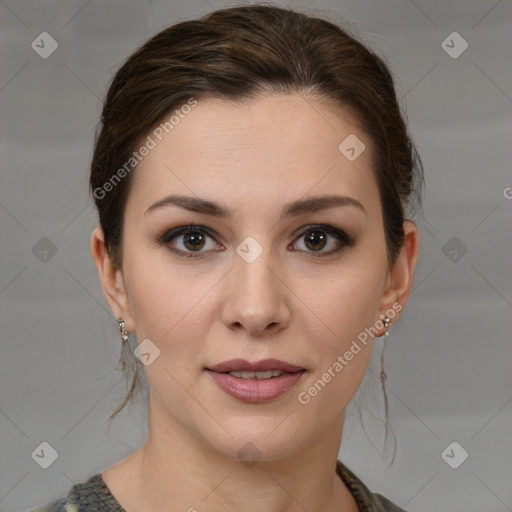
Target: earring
{"type": "Point", "coordinates": [124, 338]}
{"type": "Point", "coordinates": [122, 330]}
{"type": "Point", "coordinates": [383, 376]}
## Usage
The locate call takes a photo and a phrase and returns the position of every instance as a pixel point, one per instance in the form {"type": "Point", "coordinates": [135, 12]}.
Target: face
{"type": "Point", "coordinates": [263, 281]}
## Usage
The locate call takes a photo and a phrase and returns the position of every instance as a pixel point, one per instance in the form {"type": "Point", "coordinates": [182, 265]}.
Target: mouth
{"type": "Point", "coordinates": [257, 382]}
{"type": "Point", "coordinates": [263, 366]}
{"type": "Point", "coordinates": [270, 374]}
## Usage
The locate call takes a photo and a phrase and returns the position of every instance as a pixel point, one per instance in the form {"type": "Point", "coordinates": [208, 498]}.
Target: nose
{"type": "Point", "coordinates": [256, 296]}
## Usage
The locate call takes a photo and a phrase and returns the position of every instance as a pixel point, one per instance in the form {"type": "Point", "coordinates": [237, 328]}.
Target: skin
{"type": "Point", "coordinates": [287, 304]}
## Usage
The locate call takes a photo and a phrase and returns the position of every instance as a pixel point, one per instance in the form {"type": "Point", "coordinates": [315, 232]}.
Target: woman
{"type": "Point", "coordinates": [251, 172]}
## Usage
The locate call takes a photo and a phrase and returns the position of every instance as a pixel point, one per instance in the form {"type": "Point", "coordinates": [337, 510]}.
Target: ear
{"type": "Point", "coordinates": [401, 274]}
{"type": "Point", "coordinates": [111, 278]}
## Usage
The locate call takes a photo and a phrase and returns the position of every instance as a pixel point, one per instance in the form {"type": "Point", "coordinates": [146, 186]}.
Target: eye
{"type": "Point", "coordinates": [191, 238]}
{"type": "Point", "coordinates": [316, 238]}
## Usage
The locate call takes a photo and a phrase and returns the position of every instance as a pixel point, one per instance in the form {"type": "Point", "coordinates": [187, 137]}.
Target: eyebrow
{"type": "Point", "coordinates": [295, 208]}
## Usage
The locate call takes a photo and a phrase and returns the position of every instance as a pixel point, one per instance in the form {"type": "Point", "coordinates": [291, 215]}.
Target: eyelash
{"type": "Point", "coordinates": [340, 235]}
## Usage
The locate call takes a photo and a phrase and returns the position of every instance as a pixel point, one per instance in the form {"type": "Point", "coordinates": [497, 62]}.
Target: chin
{"type": "Point", "coordinates": [255, 440]}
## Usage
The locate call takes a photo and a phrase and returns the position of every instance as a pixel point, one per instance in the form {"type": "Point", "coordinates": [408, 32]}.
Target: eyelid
{"type": "Point", "coordinates": [172, 233]}
{"type": "Point", "coordinates": [342, 237]}
{"type": "Point", "coordinates": [333, 231]}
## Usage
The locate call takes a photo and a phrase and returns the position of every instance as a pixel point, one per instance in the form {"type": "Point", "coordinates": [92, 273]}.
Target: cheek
{"type": "Point", "coordinates": [344, 303]}
{"type": "Point", "coordinates": [166, 309]}
{"type": "Point", "coordinates": [343, 353]}
{"type": "Point", "coordinates": [159, 296]}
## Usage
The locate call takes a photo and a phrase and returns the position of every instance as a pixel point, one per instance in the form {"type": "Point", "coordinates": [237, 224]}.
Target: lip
{"type": "Point", "coordinates": [240, 365]}
{"type": "Point", "coordinates": [256, 391]}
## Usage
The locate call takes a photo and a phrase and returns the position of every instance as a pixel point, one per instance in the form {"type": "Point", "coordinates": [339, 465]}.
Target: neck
{"type": "Point", "coordinates": [176, 471]}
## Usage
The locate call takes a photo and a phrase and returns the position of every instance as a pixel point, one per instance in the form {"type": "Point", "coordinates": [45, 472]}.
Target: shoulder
{"type": "Point", "coordinates": [367, 500]}
{"type": "Point", "coordinates": [89, 496]}
{"type": "Point", "coordinates": [60, 505]}
{"type": "Point", "coordinates": [385, 505]}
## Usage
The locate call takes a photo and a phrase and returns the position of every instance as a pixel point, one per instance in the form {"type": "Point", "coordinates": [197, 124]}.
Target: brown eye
{"type": "Point", "coordinates": [315, 240]}
{"type": "Point", "coordinates": [193, 240]}
{"type": "Point", "coordinates": [188, 241]}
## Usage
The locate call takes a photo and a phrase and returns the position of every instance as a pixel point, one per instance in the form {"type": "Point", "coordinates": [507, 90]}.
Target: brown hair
{"type": "Point", "coordinates": [238, 54]}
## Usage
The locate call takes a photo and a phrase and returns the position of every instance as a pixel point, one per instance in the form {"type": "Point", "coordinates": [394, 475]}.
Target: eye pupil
{"type": "Point", "coordinates": [196, 240]}
{"type": "Point", "coordinates": [316, 235]}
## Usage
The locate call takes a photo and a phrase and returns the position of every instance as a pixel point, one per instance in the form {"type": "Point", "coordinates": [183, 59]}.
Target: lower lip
{"type": "Point", "coordinates": [256, 391]}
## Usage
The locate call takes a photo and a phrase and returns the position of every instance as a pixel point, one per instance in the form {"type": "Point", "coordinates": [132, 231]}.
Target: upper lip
{"type": "Point", "coordinates": [241, 365]}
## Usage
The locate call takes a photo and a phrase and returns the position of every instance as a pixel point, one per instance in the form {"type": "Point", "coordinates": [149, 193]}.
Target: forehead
{"type": "Point", "coordinates": [279, 146]}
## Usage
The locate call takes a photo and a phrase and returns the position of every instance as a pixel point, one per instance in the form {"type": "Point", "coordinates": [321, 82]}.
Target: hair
{"type": "Point", "coordinates": [244, 53]}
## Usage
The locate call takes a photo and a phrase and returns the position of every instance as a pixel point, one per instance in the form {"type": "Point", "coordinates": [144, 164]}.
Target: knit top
{"type": "Point", "coordinates": [95, 496]}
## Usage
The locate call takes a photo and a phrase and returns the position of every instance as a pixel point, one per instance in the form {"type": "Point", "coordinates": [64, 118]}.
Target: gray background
{"type": "Point", "coordinates": [449, 357]}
